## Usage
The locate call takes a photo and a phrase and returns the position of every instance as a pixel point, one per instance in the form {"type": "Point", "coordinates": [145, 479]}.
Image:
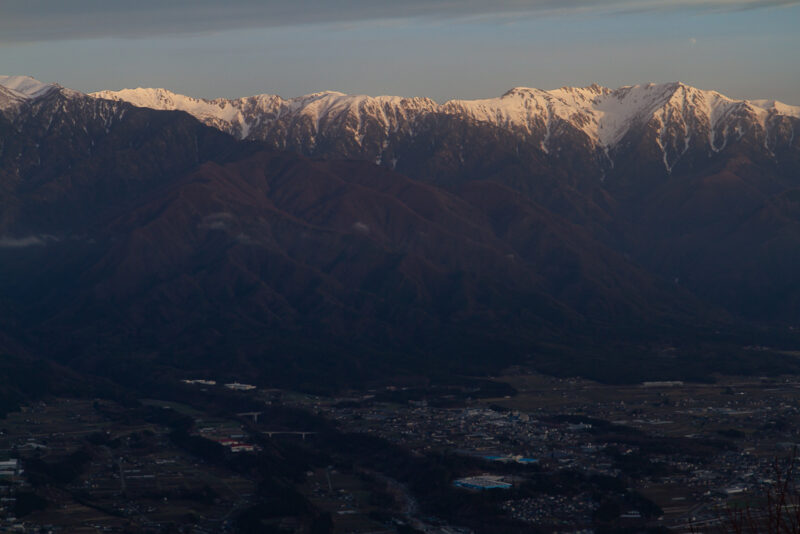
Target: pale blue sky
{"type": "Point", "coordinates": [438, 48]}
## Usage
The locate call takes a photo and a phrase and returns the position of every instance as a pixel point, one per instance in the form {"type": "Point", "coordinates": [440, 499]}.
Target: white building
{"type": "Point", "coordinates": [240, 387]}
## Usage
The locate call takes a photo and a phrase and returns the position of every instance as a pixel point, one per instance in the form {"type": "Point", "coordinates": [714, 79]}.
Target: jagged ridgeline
{"type": "Point", "coordinates": [567, 229]}
{"type": "Point", "coordinates": [673, 176]}
{"type": "Point", "coordinates": [681, 121]}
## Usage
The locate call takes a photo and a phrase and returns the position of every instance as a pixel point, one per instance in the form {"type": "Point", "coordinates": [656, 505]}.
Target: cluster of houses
{"type": "Point", "coordinates": [231, 438]}
{"type": "Point", "coordinates": [10, 470]}
{"type": "Point", "coordinates": [236, 386]}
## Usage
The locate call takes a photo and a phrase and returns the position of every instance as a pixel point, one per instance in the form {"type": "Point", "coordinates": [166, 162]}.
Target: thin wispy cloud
{"type": "Point", "coordinates": [25, 242]}
{"type": "Point", "coordinates": [49, 20]}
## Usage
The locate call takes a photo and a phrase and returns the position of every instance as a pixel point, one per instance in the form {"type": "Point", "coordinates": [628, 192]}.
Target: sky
{"type": "Point", "coordinates": [441, 49]}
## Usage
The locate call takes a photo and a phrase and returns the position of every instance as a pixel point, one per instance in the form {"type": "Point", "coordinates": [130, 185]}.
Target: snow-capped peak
{"type": "Point", "coordinates": [603, 114]}
{"type": "Point", "coordinates": [677, 117]}
{"type": "Point", "coordinates": [26, 87]}
{"type": "Point", "coordinates": [167, 100]}
{"type": "Point", "coordinates": [777, 107]}
{"type": "Point", "coordinates": [243, 116]}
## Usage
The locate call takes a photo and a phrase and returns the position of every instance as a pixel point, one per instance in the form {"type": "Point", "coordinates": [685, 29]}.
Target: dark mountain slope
{"type": "Point", "coordinates": [137, 241]}
{"type": "Point", "coordinates": [729, 233]}
{"type": "Point", "coordinates": [659, 172]}
{"type": "Point", "coordinates": [68, 161]}
{"type": "Point", "coordinates": [267, 258]}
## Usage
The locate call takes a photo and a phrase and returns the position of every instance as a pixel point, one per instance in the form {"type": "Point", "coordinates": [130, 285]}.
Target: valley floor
{"type": "Point", "coordinates": [560, 455]}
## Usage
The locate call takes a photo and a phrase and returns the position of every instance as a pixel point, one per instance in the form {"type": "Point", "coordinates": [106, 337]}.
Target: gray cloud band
{"type": "Point", "coordinates": [46, 20]}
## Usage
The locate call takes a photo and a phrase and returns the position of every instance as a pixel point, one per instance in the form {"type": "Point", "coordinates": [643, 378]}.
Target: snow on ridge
{"type": "Point", "coordinates": [26, 87]}
{"type": "Point", "coordinates": [604, 115]}
{"type": "Point", "coordinates": [9, 98]}
{"type": "Point", "coordinates": [778, 107]}
{"type": "Point", "coordinates": [167, 100]}
{"type": "Point", "coordinates": [17, 90]}
{"type": "Point", "coordinates": [333, 103]}
{"type": "Point", "coordinates": [246, 113]}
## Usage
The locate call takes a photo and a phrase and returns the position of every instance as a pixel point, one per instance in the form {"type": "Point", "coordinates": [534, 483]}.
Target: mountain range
{"type": "Point", "coordinates": [599, 120]}
{"type": "Point", "coordinates": [618, 157]}
{"type": "Point", "coordinates": [335, 238]}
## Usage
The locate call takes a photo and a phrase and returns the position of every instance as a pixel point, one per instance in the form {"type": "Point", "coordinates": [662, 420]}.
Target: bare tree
{"type": "Point", "coordinates": [780, 514]}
